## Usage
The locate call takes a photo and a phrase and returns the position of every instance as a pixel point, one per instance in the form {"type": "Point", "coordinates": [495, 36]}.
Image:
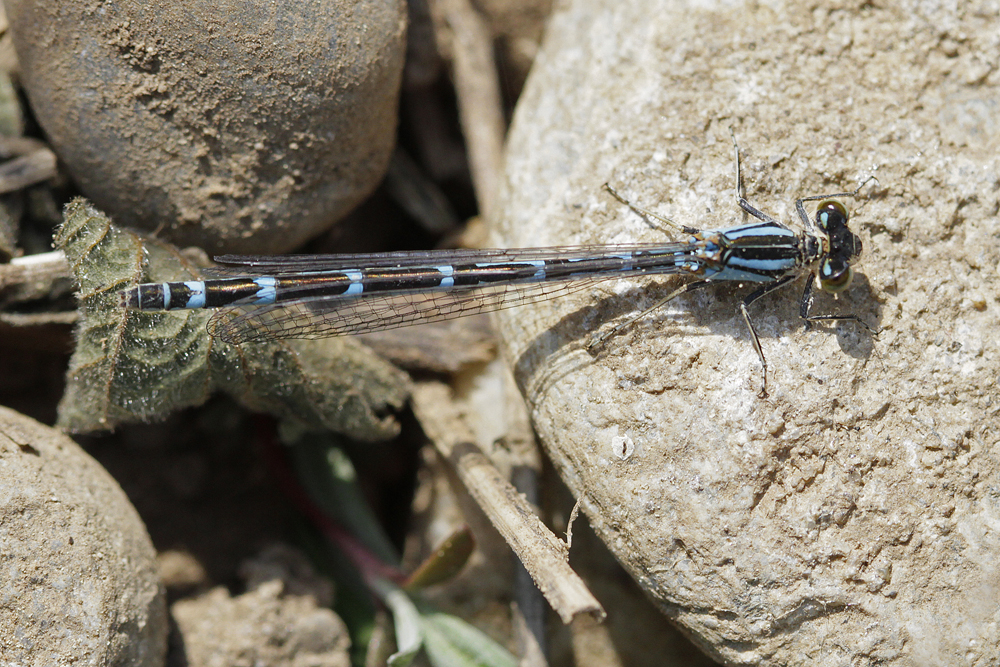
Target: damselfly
{"type": "Point", "coordinates": [313, 296]}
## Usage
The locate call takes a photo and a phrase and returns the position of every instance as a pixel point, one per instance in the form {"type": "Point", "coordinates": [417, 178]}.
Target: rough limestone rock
{"type": "Point", "coordinates": [261, 627]}
{"type": "Point", "coordinates": [849, 517]}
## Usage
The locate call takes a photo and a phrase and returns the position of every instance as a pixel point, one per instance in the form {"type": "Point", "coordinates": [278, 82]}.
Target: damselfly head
{"type": "Point", "coordinates": [835, 272]}
{"type": "Point", "coordinates": [831, 215]}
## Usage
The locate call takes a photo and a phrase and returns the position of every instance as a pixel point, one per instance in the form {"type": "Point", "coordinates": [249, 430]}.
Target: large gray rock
{"type": "Point", "coordinates": [78, 580]}
{"type": "Point", "coordinates": [849, 518]}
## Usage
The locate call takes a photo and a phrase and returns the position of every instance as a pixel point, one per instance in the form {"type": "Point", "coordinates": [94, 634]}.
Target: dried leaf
{"type": "Point", "coordinates": [446, 562]}
{"type": "Point", "coordinates": [131, 365]}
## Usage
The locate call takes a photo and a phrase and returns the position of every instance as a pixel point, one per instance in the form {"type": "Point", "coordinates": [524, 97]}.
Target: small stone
{"type": "Point", "coordinates": [80, 580]}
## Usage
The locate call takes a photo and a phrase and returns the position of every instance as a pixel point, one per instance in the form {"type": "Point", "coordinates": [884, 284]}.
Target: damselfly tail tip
{"type": "Point", "coordinates": [129, 298]}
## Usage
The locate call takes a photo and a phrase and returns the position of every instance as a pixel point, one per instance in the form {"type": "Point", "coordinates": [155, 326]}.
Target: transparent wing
{"type": "Point", "coordinates": [283, 265]}
{"type": "Point", "coordinates": [320, 318]}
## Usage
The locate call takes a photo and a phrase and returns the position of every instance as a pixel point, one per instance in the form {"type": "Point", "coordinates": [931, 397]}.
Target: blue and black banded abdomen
{"type": "Point", "coordinates": [345, 284]}
{"type": "Point", "coordinates": [200, 293]}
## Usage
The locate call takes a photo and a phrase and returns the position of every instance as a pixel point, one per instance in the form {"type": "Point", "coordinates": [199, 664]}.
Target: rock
{"type": "Point", "coordinates": [849, 517]}
{"type": "Point", "coordinates": [80, 584]}
{"type": "Point", "coordinates": [261, 627]}
{"type": "Point", "coordinates": [246, 127]}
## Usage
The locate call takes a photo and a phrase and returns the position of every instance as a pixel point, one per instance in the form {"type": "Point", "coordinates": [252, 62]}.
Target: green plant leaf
{"type": "Point", "coordinates": [448, 640]}
{"type": "Point", "coordinates": [451, 642]}
{"type": "Point", "coordinates": [328, 475]}
{"type": "Point", "coordinates": [406, 618]}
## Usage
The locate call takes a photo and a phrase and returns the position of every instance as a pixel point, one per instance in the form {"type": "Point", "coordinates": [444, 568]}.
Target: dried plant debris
{"type": "Point", "coordinates": [437, 347]}
{"type": "Point", "coordinates": [10, 215]}
{"type": "Point", "coordinates": [131, 365]}
{"type": "Point", "coordinates": [11, 115]}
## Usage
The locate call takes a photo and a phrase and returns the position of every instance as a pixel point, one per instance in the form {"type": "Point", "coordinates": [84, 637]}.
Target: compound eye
{"type": "Point", "coordinates": [829, 214]}
{"type": "Point", "coordinates": [835, 275]}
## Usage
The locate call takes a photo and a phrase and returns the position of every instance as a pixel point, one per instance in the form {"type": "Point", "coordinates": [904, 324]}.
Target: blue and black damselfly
{"type": "Point", "coordinates": [315, 296]}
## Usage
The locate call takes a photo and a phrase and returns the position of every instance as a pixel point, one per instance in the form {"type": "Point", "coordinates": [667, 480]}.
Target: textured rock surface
{"type": "Point", "coordinates": [248, 127]}
{"type": "Point", "coordinates": [849, 517]}
{"type": "Point", "coordinates": [79, 583]}
{"type": "Point", "coordinates": [261, 627]}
